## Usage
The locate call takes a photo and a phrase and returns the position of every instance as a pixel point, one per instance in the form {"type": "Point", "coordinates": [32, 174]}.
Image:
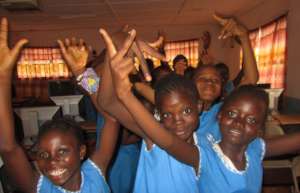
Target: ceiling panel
{"type": "Point", "coordinates": [133, 12]}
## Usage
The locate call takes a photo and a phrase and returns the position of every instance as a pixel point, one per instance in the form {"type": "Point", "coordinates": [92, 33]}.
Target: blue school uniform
{"type": "Point", "coordinates": [159, 172]}
{"type": "Point", "coordinates": [121, 175]}
{"type": "Point", "coordinates": [209, 123]}
{"type": "Point", "coordinates": [218, 174]}
{"type": "Point", "coordinates": [92, 180]}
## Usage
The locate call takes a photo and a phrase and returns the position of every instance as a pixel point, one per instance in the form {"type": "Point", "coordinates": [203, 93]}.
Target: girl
{"type": "Point", "coordinates": [232, 164]}
{"type": "Point", "coordinates": [60, 148]}
{"type": "Point", "coordinates": [210, 83]}
{"type": "Point", "coordinates": [177, 101]}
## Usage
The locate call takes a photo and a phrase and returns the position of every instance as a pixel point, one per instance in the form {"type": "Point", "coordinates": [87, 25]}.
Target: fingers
{"type": "Point", "coordinates": [3, 30]}
{"type": "Point", "coordinates": [67, 42]}
{"type": "Point", "coordinates": [62, 46]}
{"type": "Point", "coordinates": [16, 49]}
{"type": "Point", "coordinates": [127, 44]}
{"type": "Point", "coordinates": [112, 51]}
{"type": "Point", "coordinates": [143, 64]}
{"type": "Point", "coordinates": [228, 29]}
{"type": "Point", "coordinates": [219, 19]}
{"type": "Point", "coordinates": [123, 68]}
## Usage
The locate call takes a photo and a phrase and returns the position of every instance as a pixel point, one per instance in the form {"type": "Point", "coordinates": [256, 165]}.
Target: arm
{"type": "Point", "coordinates": [283, 145]}
{"type": "Point", "coordinates": [108, 140]}
{"type": "Point", "coordinates": [145, 90]}
{"type": "Point", "coordinates": [109, 102]}
{"type": "Point", "coordinates": [232, 28]}
{"type": "Point", "coordinates": [12, 154]}
{"type": "Point", "coordinates": [129, 137]}
{"type": "Point", "coordinates": [121, 68]}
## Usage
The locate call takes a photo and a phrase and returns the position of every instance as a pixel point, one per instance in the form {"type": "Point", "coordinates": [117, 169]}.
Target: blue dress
{"type": "Point", "coordinates": [218, 174]}
{"type": "Point", "coordinates": [91, 176]}
{"type": "Point", "coordinates": [159, 172]}
{"type": "Point", "coordinates": [121, 174]}
{"type": "Point", "coordinates": [209, 123]}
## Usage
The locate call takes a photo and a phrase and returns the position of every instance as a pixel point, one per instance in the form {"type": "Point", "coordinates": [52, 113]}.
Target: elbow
{"type": "Point", "coordinates": [6, 148]}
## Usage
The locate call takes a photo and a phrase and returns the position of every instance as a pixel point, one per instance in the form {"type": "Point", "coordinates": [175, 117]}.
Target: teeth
{"type": "Point", "coordinates": [235, 132]}
{"type": "Point", "coordinates": [180, 132]}
{"type": "Point", "coordinates": [57, 172]}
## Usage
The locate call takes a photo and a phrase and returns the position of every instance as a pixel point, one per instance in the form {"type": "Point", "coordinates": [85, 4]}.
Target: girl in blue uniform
{"type": "Point", "coordinates": [177, 102]}
{"type": "Point", "coordinates": [230, 164]}
{"type": "Point", "coordinates": [210, 82]}
{"type": "Point", "coordinates": [61, 152]}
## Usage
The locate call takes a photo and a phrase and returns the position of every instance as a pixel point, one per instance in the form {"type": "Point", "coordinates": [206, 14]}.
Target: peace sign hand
{"type": "Point", "coordinates": [120, 64]}
{"type": "Point", "coordinates": [230, 27]}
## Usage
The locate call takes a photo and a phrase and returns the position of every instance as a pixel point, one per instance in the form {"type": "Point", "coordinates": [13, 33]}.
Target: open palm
{"type": "Point", "coordinates": [75, 54]}
{"type": "Point", "coordinates": [8, 56]}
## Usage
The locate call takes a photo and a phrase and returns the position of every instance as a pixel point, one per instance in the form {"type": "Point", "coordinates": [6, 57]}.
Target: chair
{"type": "Point", "coordinates": [291, 163]}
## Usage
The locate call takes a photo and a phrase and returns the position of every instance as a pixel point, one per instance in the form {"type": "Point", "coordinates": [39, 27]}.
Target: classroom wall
{"type": "Point", "coordinates": [44, 36]}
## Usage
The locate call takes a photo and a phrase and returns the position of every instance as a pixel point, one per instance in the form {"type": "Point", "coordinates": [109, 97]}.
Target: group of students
{"type": "Point", "coordinates": [193, 144]}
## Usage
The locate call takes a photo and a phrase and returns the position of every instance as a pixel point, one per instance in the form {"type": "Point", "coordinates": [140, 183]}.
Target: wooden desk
{"type": "Point", "coordinates": [286, 119]}
{"type": "Point", "coordinates": [88, 126]}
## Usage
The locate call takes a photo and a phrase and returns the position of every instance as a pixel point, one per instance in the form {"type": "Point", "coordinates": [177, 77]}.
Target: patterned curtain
{"type": "Point", "coordinates": [269, 43]}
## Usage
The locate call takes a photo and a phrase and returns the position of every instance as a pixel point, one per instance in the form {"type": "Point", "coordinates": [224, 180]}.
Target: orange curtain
{"type": "Point", "coordinates": [269, 43]}
{"type": "Point", "coordinates": [41, 63]}
{"type": "Point", "coordinates": [189, 48]}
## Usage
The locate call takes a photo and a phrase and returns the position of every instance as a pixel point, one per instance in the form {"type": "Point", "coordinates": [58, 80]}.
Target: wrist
{"type": "Point", "coordinates": [77, 72]}
{"type": "Point", "coordinates": [88, 80]}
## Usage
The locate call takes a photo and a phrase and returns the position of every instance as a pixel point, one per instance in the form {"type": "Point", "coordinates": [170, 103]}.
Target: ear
{"type": "Point", "coordinates": [200, 106]}
{"type": "Point", "coordinates": [219, 116]}
{"type": "Point", "coordinates": [82, 152]}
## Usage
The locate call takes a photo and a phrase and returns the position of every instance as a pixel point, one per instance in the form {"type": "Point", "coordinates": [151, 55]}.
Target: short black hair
{"type": "Point", "coordinates": [64, 125]}
{"type": "Point", "coordinates": [174, 82]}
{"type": "Point", "coordinates": [224, 71]}
{"type": "Point", "coordinates": [249, 90]}
{"type": "Point", "coordinates": [201, 67]}
{"type": "Point", "coordinates": [179, 57]}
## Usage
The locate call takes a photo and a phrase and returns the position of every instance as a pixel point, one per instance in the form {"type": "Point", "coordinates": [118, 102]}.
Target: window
{"type": "Point", "coordinates": [269, 43]}
{"type": "Point", "coordinates": [42, 63]}
{"type": "Point", "coordinates": [189, 48]}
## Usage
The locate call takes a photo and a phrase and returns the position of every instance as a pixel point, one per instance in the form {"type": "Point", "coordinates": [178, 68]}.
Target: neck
{"type": "Point", "coordinates": [235, 153]}
{"type": "Point", "coordinates": [74, 183]}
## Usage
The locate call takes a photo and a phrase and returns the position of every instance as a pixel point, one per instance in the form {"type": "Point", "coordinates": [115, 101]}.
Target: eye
{"type": "Point", "coordinates": [187, 111]}
{"type": "Point", "coordinates": [166, 115]}
{"type": "Point", "coordinates": [232, 114]}
{"type": "Point", "coordinates": [215, 81]}
{"type": "Point", "coordinates": [62, 151]}
{"type": "Point", "coordinates": [43, 155]}
{"type": "Point", "coordinates": [251, 120]}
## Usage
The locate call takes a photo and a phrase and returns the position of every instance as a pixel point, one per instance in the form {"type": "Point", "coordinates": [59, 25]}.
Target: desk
{"type": "Point", "coordinates": [88, 126]}
{"type": "Point", "coordinates": [286, 119]}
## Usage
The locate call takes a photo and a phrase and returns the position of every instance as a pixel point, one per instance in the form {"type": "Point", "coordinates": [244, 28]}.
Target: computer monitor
{"type": "Point", "coordinates": [69, 105]}
{"type": "Point", "coordinates": [32, 118]}
{"type": "Point", "coordinates": [274, 94]}
{"type": "Point", "coordinates": [62, 88]}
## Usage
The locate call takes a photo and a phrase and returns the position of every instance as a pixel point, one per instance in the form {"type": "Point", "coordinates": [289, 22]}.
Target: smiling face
{"type": "Point", "coordinates": [209, 84]}
{"type": "Point", "coordinates": [179, 114]}
{"type": "Point", "coordinates": [241, 120]}
{"type": "Point", "coordinates": [180, 66]}
{"type": "Point", "coordinates": [59, 158]}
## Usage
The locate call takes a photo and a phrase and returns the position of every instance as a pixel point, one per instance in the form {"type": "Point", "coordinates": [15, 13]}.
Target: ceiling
{"type": "Point", "coordinates": [87, 13]}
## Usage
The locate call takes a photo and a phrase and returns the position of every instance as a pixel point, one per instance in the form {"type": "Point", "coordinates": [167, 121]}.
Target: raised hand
{"type": "Point", "coordinates": [121, 66]}
{"type": "Point", "coordinates": [230, 27]}
{"type": "Point", "coordinates": [75, 54]}
{"type": "Point", "coordinates": [8, 56]}
{"type": "Point", "coordinates": [136, 50]}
